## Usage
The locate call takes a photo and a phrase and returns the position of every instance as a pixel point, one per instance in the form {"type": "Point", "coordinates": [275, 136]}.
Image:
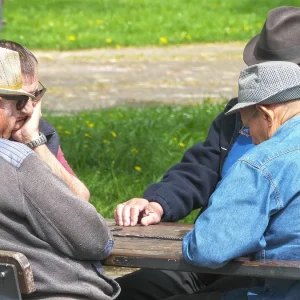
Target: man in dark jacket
{"type": "Point", "coordinates": [189, 184]}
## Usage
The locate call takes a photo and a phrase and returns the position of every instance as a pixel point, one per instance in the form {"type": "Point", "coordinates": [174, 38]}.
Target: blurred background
{"type": "Point", "coordinates": [133, 83]}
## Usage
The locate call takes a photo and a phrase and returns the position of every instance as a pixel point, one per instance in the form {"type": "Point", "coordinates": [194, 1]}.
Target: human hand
{"type": "Point", "coordinates": [134, 210]}
{"type": "Point", "coordinates": [29, 130]}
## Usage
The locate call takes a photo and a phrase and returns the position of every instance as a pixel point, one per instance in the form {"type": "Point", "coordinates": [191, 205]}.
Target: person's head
{"type": "Point", "coordinates": [31, 84]}
{"type": "Point", "coordinates": [279, 39]}
{"type": "Point", "coordinates": [13, 98]}
{"type": "Point", "coordinates": [269, 95]}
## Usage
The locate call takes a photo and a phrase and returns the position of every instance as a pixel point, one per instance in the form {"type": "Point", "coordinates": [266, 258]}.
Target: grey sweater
{"type": "Point", "coordinates": [61, 235]}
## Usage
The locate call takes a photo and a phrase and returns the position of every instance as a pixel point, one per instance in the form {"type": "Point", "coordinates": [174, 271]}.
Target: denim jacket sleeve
{"type": "Point", "coordinates": [236, 218]}
{"type": "Point", "coordinates": [188, 185]}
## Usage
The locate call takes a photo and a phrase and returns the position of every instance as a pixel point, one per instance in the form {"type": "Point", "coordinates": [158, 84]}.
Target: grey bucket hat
{"type": "Point", "coordinates": [268, 83]}
{"type": "Point", "coordinates": [279, 38]}
{"type": "Point", "coordinates": [10, 74]}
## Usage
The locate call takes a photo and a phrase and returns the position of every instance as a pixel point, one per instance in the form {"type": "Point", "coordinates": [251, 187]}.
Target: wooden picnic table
{"type": "Point", "coordinates": [159, 247]}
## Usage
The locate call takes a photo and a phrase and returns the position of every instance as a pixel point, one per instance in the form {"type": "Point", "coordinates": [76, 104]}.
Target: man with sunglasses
{"type": "Point", "coordinates": [62, 235]}
{"type": "Point", "coordinates": [188, 185]}
{"type": "Point", "coordinates": [34, 131]}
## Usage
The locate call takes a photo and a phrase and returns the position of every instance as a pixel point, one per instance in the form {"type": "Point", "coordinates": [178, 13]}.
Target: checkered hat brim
{"type": "Point", "coordinates": [268, 83]}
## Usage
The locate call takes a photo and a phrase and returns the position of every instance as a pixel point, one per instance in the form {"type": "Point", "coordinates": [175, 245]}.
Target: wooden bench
{"type": "Point", "coordinates": [159, 247]}
{"type": "Point", "coordinates": [15, 275]}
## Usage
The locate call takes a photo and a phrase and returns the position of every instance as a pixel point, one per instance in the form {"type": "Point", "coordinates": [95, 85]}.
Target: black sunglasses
{"type": "Point", "coordinates": [22, 100]}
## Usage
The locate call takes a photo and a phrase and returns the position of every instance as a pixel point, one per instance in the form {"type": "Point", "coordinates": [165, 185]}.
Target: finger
{"type": "Point", "coordinates": [126, 215]}
{"type": "Point", "coordinates": [119, 214]}
{"type": "Point", "coordinates": [134, 216]}
{"type": "Point", "coordinates": [151, 218]}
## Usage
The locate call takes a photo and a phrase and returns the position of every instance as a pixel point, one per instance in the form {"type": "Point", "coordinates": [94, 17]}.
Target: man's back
{"type": "Point", "coordinates": [60, 234]}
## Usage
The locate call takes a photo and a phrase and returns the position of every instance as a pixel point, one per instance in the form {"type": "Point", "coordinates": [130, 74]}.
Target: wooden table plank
{"type": "Point", "coordinates": [135, 247]}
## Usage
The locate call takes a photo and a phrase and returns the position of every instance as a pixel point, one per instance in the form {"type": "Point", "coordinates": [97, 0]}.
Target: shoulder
{"type": "Point", "coordinates": [13, 152]}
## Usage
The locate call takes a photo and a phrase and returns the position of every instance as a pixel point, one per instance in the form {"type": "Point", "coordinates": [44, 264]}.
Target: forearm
{"type": "Point", "coordinates": [75, 185]}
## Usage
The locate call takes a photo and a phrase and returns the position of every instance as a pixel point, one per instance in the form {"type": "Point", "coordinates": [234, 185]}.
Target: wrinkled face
{"type": "Point", "coordinates": [12, 119]}
{"type": "Point", "coordinates": [258, 125]}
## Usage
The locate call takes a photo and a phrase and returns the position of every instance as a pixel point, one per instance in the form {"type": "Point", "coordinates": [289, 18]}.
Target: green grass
{"type": "Point", "coordinates": [71, 24]}
{"type": "Point", "coordinates": [118, 152]}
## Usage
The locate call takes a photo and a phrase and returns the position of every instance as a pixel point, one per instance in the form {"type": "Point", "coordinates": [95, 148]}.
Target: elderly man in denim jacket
{"type": "Point", "coordinates": [255, 209]}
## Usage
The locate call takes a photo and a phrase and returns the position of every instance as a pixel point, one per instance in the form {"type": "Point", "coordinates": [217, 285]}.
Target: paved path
{"type": "Point", "coordinates": [97, 78]}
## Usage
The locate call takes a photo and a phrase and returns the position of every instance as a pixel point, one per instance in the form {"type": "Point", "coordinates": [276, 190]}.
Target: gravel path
{"type": "Point", "coordinates": [98, 78]}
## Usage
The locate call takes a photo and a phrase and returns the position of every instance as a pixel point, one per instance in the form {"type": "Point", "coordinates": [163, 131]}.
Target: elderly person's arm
{"type": "Point", "coordinates": [68, 223]}
{"type": "Point", "coordinates": [187, 185]}
{"type": "Point", "coordinates": [29, 132]}
{"type": "Point", "coordinates": [236, 219]}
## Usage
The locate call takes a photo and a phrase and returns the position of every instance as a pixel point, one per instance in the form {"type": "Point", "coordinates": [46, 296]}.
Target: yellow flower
{"type": "Point", "coordinates": [188, 37]}
{"type": "Point", "coordinates": [108, 41]}
{"type": "Point", "coordinates": [121, 115]}
{"type": "Point", "coordinates": [175, 139]}
{"type": "Point", "coordinates": [247, 28]}
{"type": "Point", "coordinates": [72, 38]}
{"type": "Point", "coordinates": [87, 134]}
{"type": "Point", "coordinates": [181, 144]}
{"type": "Point", "coordinates": [67, 132]}
{"type": "Point", "coordinates": [87, 122]}
{"type": "Point", "coordinates": [138, 168]}
{"type": "Point", "coordinates": [163, 40]}
{"type": "Point", "coordinates": [59, 127]}
{"type": "Point", "coordinates": [99, 22]}
{"type": "Point", "coordinates": [134, 150]}
{"type": "Point", "coordinates": [259, 25]}
{"type": "Point", "coordinates": [105, 141]}
{"type": "Point", "coordinates": [91, 125]}
{"type": "Point", "coordinates": [118, 47]}
{"type": "Point", "coordinates": [113, 134]}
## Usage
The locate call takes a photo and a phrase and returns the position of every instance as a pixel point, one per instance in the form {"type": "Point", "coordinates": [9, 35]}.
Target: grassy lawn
{"type": "Point", "coordinates": [71, 24]}
{"type": "Point", "coordinates": [118, 152]}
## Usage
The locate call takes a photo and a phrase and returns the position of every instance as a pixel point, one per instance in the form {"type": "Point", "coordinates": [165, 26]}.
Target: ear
{"type": "Point", "coordinates": [267, 112]}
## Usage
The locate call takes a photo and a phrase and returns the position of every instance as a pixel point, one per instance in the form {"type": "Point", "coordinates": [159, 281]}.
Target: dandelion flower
{"type": "Point", "coordinates": [108, 40]}
{"type": "Point", "coordinates": [72, 37]}
{"type": "Point", "coordinates": [68, 132]}
{"type": "Point", "coordinates": [163, 40]}
{"type": "Point", "coordinates": [99, 22]}
{"type": "Point", "coordinates": [113, 134]}
{"type": "Point", "coordinates": [175, 139]}
{"type": "Point", "coordinates": [188, 37]}
{"type": "Point", "coordinates": [181, 144]}
{"type": "Point", "coordinates": [87, 134]}
{"type": "Point", "coordinates": [134, 150]}
{"type": "Point", "coordinates": [118, 47]}
{"type": "Point", "coordinates": [91, 125]}
{"type": "Point", "coordinates": [138, 168]}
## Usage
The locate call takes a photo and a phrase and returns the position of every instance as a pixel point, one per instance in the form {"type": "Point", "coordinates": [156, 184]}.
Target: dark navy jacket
{"type": "Point", "coordinates": [52, 137]}
{"type": "Point", "coordinates": [188, 185]}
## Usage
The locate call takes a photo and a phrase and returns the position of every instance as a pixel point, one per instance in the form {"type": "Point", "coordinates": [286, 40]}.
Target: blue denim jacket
{"type": "Point", "coordinates": [254, 211]}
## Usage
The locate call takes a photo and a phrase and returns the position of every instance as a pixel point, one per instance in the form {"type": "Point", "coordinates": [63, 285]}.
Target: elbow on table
{"type": "Point", "coordinates": [206, 258]}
